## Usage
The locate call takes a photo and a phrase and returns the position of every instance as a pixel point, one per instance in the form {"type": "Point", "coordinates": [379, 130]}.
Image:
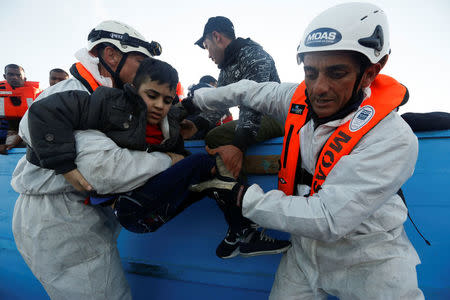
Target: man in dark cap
{"type": "Point", "coordinates": [237, 59]}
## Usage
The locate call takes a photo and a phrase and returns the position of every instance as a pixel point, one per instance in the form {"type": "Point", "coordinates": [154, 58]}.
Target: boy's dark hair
{"type": "Point", "coordinates": [156, 70]}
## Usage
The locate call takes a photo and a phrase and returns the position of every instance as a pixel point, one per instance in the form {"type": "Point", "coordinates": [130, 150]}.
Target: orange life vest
{"type": "Point", "coordinates": [386, 95]}
{"type": "Point", "coordinates": [84, 76]}
{"type": "Point", "coordinates": [180, 91]}
{"type": "Point", "coordinates": [14, 102]}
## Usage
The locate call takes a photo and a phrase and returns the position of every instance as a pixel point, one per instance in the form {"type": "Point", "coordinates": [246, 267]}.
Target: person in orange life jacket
{"type": "Point", "coordinates": [50, 209]}
{"type": "Point", "coordinates": [151, 125]}
{"type": "Point", "coordinates": [56, 75]}
{"type": "Point", "coordinates": [9, 138]}
{"type": "Point", "coordinates": [346, 154]}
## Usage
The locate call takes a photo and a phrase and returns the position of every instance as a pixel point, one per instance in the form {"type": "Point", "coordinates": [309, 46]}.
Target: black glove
{"type": "Point", "coordinates": [201, 123]}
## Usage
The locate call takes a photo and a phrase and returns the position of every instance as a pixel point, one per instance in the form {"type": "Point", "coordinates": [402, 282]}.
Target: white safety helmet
{"type": "Point", "coordinates": [360, 27]}
{"type": "Point", "coordinates": [124, 37]}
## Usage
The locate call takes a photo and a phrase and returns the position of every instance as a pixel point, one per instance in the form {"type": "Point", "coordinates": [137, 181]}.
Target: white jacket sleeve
{"type": "Point", "coordinates": [359, 186]}
{"type": "Point", "coordinates": [111, 169]}
{"type": "Point", "coordinates": [70, 84]}
{"type": "Point", "coordinates": [270, 98]}
{"type": "Point", "coordinates": [107, 167]}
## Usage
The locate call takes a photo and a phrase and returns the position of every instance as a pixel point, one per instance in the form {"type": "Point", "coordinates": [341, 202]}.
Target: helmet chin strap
{"type": "Point", "coordinates": [115, 75]}
{"type": "Point", "coordinates": [356, 94]}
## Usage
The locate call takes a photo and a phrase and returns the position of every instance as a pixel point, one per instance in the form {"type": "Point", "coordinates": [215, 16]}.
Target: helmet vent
{"type": "Point", "coordinates": [375, 41]}
{"type": "Point", "coordinates": [363, 18]}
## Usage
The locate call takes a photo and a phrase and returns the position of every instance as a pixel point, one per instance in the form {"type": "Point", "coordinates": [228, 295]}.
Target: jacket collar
{"type": "Point", "coordinates": [91, 64]}
{"type": "Point", "coordinates": [232, 51]}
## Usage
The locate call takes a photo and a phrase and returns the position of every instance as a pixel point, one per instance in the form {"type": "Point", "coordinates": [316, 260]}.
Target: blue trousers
{"type": "Point", "coordinates": [163, 196]}
{"type": "Point", "coordinates": [3, 131]}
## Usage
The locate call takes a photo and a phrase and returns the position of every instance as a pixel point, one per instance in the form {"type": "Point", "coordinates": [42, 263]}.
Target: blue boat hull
{"type": "Point", "coordinates": [179, 262]}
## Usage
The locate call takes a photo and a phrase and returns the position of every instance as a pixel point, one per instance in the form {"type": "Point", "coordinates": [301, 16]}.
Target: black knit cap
{"type": "Point", "coordinates": [219, 24]}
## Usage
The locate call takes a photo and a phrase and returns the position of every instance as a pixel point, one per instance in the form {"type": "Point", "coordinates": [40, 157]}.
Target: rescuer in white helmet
{"type": "Point", "coordinates": [346, 154]}
{"type": "Point", "coordinates": [72, 247]}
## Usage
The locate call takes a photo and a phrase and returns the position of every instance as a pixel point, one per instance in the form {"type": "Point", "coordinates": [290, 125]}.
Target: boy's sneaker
{"type": "Point", "coordinates": [229, 247]}
{"type": "Point", "coordinates": [251, 243]}
{"type": "Point", "coordinates": [258, 243]}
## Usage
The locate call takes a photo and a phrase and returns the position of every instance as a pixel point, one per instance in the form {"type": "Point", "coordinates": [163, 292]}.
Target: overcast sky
{"type": "Point", "coordinates": [42, 34]}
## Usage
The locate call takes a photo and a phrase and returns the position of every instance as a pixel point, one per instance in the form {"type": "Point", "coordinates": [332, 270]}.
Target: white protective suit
{"type": "Point", "coordinates": [348, 239]}
{"type": "Point", "coordinates": [71, 247]}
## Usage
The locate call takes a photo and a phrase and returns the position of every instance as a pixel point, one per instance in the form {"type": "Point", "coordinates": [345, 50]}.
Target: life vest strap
{"type": "Point", "coordinates": [84, 76]}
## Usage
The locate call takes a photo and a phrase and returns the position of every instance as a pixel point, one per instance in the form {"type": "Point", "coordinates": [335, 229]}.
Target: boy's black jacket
{"type": "Point", "coordinates": [120, 114]}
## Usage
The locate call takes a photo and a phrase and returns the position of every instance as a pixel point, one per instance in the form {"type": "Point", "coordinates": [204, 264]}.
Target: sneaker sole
{"type": "Point", "coordinates": [235, 253]}
{"type": "Point", "coordinates": [276, 251]}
